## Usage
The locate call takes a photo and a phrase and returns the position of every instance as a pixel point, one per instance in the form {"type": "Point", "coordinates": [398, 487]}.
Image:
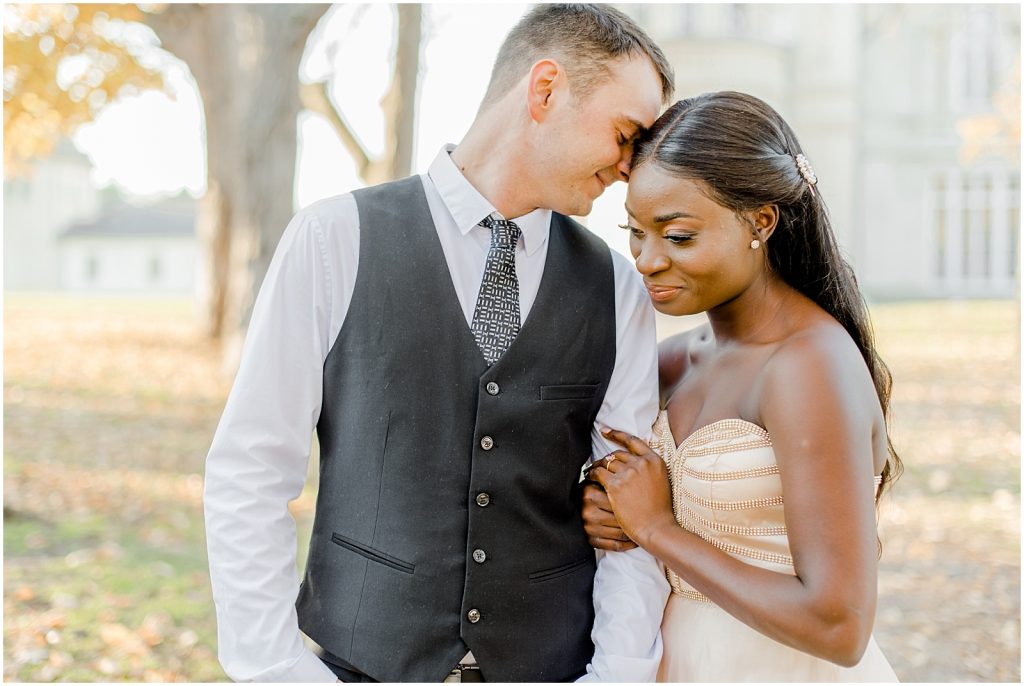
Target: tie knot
{"type": "Point", "coordinates": [503, 232]}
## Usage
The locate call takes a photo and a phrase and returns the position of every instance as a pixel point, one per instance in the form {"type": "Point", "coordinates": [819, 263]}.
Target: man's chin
{"type": "Point", "coordinates": [577, 207]}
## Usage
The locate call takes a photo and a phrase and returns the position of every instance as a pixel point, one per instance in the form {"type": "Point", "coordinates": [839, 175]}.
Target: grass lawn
{"type": "Point", "coordinates": [110, 404]}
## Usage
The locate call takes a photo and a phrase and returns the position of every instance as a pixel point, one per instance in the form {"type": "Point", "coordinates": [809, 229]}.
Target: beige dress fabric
{"type": "Point", "coordinates": [726, 489]}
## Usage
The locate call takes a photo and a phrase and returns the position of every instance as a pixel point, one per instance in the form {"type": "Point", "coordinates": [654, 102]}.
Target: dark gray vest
{"type": "Point", "coordinates": [448, 515]}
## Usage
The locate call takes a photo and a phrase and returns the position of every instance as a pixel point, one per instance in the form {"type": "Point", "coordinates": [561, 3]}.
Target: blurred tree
{"type": "Point", "coordinates": [245, 60]}
{"type": "Point", "coordinates": [64, 62]}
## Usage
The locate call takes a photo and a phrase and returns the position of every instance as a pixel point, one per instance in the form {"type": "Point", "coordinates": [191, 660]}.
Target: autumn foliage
{"type": "Point", "coordinates": [62, 64]}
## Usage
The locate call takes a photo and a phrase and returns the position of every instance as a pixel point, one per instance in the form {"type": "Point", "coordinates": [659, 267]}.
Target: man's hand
{"type": "Point", "coordinates": [603, 530]}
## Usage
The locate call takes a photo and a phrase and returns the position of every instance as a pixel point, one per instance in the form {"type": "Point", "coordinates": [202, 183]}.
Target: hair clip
{"type": "Point", "coordinates": [806, 171]}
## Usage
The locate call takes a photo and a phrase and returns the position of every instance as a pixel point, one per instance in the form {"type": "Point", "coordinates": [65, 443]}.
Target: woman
{"type": "Point", "coordinates": [773, 433]}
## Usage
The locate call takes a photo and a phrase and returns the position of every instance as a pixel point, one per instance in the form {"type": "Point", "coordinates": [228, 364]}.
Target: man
{"type": "Point", "coordinates": [453, 338]}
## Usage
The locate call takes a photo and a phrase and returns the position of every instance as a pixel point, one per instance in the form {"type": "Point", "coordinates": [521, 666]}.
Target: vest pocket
{"type": "Point", "coordinates": [373, 554]}
{"type": "Point", "coordinates": [560, 571]}
{"type": "Point", "coordinates": [568, 392]}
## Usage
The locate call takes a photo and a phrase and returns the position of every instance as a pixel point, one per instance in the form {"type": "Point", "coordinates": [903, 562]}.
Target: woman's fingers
{"type": "Point", "coordinates": [612, 463]}
{"type": "Point", "coordinates": [609, 461]}
{"type": "Point", "coordinates": [635, 445]}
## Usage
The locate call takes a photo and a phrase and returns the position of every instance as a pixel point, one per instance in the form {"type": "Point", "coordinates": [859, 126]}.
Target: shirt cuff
{"type": "Point", "coordinates": [307, 668]}
{"type": "Point", "coordinates": [622, 670]}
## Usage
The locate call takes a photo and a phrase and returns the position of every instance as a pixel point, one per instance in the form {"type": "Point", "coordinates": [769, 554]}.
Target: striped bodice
{"type": "Point", "coordinates": [726, 489]}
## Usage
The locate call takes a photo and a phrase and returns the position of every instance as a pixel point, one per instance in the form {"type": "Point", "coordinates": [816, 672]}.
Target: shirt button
{"type": "Point", "coordinates": [479, 556]}
{"type": "Point", "coordinates": [486, 442]}
{"type": "Point", "coordinates": [493, 388]}
{"type": "Point", "coordinates": [473, 616]}
{"type": "Point", "coordinates": [483, 499]}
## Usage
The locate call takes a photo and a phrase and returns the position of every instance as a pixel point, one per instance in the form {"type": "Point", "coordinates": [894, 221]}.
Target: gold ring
{"type": "Point", "coordinates": [608, 460]}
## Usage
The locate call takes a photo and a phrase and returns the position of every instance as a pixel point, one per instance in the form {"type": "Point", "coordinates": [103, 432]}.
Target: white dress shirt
{"type": "Point", "coordinates": [259, 457]}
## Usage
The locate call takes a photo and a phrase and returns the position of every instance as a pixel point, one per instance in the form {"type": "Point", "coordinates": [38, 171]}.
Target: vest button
{"type": "Point", "coordinates": [473, 616]}
{"type": "Point", "coordinates": [479, 556]}
{"type": "Point", "coordinates": [483, 499]}
{"type": "Point", "coordinates": [493, 388]}
{"type": "Point", "coordinates": [486, 442]}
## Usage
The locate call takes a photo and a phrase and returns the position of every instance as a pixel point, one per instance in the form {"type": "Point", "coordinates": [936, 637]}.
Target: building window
{"type": "Point", "coordinates": [975, 224]}
{"type": "Point", "coordinates": [92, 268]}
{"type": "Point", "coordinates": [974, 61]}
{"type": "Point", "coordinates": [738, 20]}
{"type": "Point", "coordinates": [156, 269]}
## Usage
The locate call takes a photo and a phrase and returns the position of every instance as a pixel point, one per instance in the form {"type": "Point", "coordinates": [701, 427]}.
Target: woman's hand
{"type": "Point", "coordinates": [636, 481]}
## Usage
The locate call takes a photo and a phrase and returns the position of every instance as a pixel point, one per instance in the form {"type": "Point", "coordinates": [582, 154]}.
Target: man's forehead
{"type": "Point", "coordinates": [641, 101]}
{"type": "Point", "coordinates": [633, 118]}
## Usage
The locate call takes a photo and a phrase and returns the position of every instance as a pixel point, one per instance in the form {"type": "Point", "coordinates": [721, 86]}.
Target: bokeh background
{"type": "Point", "coordinates": [153, 154]}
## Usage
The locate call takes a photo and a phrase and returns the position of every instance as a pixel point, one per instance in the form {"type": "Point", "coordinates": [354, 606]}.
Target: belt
{"type": "Point", "coordinates": [465, 674]}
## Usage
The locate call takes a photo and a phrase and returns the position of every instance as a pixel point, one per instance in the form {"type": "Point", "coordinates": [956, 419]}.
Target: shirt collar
{"type": "Point", "coordinates": [468, 207]}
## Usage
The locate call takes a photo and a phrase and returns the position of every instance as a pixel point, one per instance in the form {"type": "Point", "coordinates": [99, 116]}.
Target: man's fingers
{"type": "Point", "coordinates": [594, 493]}
{"type": "Point", "coordinates": [599, 474]}
{"type": "Point", "coordinates": [594, 517]}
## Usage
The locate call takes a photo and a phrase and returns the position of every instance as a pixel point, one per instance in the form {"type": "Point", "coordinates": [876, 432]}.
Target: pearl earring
{"type": "Point", "coordinates": [755, 244]}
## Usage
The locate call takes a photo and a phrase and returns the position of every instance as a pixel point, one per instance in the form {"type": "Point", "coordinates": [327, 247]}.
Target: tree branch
{"type": "Point", "coordinates": [399, 104]}
{"type": "Point", "coordinates": [315, 99]}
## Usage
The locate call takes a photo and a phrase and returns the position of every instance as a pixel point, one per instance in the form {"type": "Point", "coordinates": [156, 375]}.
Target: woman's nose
{"type": "Point", "coordinates": [650, 259]}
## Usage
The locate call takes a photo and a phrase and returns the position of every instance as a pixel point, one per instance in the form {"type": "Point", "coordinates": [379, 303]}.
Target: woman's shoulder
{"type": "Point", "coordinates": [820, 358]}
{"type": "Point", "coordinates": [822, 341]}
{"type": "Point", "coordinates": [816, 388]}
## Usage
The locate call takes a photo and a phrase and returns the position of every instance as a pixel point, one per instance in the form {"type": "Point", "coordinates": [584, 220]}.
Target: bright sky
{"type": "Point", "coordinates": [151, 144]}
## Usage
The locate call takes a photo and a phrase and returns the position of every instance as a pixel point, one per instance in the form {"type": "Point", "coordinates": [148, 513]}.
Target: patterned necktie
{"type": "Point", "coordinates": [496, 319]}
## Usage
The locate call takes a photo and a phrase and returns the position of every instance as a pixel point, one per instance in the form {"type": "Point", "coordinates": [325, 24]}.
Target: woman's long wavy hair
{"type": "Point", "coordinates": [744, 154]}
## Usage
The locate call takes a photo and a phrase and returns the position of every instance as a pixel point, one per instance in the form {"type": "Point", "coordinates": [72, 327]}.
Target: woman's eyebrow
{"type": "Point", "coordinates": [669, 217]}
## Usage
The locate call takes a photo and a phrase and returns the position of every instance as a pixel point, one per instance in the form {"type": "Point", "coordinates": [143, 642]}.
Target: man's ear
{"type": "Point", "coordinates": [765, 220]}
{"type": "Point", "coordinates": [545, 78]}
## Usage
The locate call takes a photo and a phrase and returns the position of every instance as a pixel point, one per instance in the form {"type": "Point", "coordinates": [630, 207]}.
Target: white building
{"type": "Point", "coordinates": [879, 96]}
{"type": "Point", "coordinates": [63, 234]}
{"type": "Point", "coordinates": [129, 249]}
{"type": "Point", "coordinates": [37, 207]}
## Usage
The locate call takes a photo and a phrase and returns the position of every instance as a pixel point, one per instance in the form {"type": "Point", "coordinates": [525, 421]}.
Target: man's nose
{"type": "Point", "coordinates": [622, 168]}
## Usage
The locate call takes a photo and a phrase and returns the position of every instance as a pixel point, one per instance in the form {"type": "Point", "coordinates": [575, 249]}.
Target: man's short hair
{"type": "Point", "coordinates": [584, 38]}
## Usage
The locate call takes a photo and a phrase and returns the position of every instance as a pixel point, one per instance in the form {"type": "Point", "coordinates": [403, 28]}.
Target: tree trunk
{"type": "Point", "coordinates": [399, 104]}
{"type": "Point", "coordinates": [245, 59]}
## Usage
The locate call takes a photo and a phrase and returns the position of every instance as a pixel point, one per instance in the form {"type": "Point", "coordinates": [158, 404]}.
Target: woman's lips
{"type": "Point", "coordinates": [661, 293]}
